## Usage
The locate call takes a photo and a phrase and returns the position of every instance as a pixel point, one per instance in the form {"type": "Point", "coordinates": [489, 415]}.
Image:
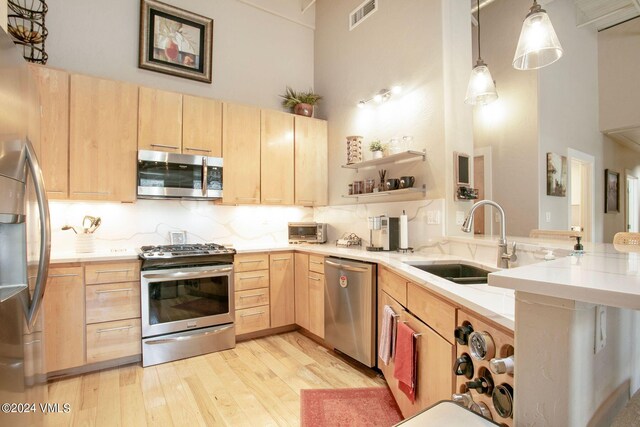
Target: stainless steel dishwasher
{"type": "Point", "coordinates": [349, 308]}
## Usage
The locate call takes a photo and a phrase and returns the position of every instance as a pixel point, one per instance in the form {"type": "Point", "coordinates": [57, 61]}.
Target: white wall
{"type": "Point", "coordinates": [568, 112]}
{"type": "Point", "coordinates": [255, 54]}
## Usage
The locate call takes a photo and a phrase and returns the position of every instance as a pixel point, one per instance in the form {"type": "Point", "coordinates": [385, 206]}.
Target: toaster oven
{"type": "Point", "coordinates": [307, 232]}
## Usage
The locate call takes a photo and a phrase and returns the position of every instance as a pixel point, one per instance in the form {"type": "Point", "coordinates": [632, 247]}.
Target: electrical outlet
{"type": "Point", "coordinates": [601, 329]}
{"type": "Point", "coordinates": [433, 217]}
{"type": "Point", "coordinates": [459, 217]}
{"type": "Point", "coordinates": [548, 216]}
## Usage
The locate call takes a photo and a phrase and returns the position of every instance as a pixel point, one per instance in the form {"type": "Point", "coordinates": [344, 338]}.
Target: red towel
{"type": "Point", "coordinates": [406, 361]}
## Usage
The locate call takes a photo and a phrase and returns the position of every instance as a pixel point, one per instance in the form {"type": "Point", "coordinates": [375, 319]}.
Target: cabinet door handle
{"type": "Point", "coordinates": [314, 278]}
{"type": "Point", "coordinates": [250, 262]}
{"type": "Point", "coordinates": [63, 275]}
{"type": "Point", "coordinates": [272, 200]}
{"type": "Point", "coordinates": [246, 198]}
{"type": "Point", "coordinates": [302, 201]}
{"type": "Point", "coordinates": [252, 314]}
{"type": "Point", "coordinates": [251, 277]}
{"type": "Point", "coordinates": [101, 193]}
{"type": "Point", "coordinates": [109, 291]}
{"type": "Point", "coordinates": [251, 296]}
{"type": "Point", "coordinates": [281, 259]}
{"type": "Point", "coordinates": [316, 262]}
{"type": "Point", "coordinates": [202, 150]}
{"type": "Point", "coordinates": [126, 270]}
{"type": "Point", "coordinates": [121, 328]}
{"type": "Point", "coordinates": [165, 146]}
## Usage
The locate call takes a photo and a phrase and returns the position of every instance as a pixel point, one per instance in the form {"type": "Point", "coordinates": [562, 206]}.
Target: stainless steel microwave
{"type": "Point", "coordinates": [307, 232]}
{"type": "Point", "coordinates": [169, 175]}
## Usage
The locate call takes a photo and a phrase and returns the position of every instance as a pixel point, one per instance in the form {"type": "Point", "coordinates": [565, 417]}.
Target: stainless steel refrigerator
{"type": "Point", "coordinates": [24, 246]}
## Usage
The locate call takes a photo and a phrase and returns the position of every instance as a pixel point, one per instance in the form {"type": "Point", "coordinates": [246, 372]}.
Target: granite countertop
{"type": "Point", "coordinates": [493, 303]}
{"type": "Point", "coordinates": [602, 275]}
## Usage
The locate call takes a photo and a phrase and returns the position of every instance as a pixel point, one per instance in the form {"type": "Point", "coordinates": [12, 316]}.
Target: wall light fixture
{"type": "Point", "coordinates": [382, 96]}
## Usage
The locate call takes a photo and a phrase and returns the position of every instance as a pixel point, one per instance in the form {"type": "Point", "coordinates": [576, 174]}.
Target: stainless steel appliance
{"type": "Point", "coordinates": [307, 232]}
{"type": "Point", "coordinates": [384, 232]}
{"type": "Point", "coordinates": [187, 301]}
{"type": "Point", "coordinates": [349, 308]}
{"type": "Point", "coordinates": [24, 246]}
{"type": "Point", "coordinates": [169, 175]}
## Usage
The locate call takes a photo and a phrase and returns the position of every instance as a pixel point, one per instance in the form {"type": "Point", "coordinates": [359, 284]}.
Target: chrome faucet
{"type": "Point", "coordinates": [504, 257]}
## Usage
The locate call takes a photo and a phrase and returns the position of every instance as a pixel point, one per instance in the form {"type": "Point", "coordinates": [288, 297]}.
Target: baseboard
{"type": "Point", "coordinates": [611, 406]}
{"type": "Point", "coordinates": [79, 370]}
{"type": "Point", "coordinates": [266, 332]}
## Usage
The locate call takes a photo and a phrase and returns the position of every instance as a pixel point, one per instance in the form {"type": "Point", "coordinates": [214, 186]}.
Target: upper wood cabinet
{"type": "Point", "coordinates": [241, 148]}
{"type": "Point", "coordinates": [160, 120]}
{"type": "Point", "coordinates": [311, 168]}
{"type": "Point", "coordinates": [52, 135]}
{"type": "Point", "coordinates": [201, 126]}
{"type": "Point", "coordinates": [276, 158]}
{"type": "Point", "coordinates": [102, 144]}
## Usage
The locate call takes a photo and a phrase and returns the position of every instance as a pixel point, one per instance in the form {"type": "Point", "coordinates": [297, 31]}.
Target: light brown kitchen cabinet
{"type": "Point", "coordinates": [64, 319]}
{"type": "Point", "coordinates": [282, 288]}
{"type": "Point", "coordinates": [311, 168]}
{"type": "Point", "coordinates": [102, 139]}
{"type": "Point", "coordinates": [113, 340]}
{"type": "Point", "coordinates": [252, 292]}
{"type": "Point", "coordinates": [241, 148]}
{"type": "Point", "coordinates": [52, 135]}
{"type": "Point", "coordinates": [316, 304]}
{"type": "Point", "coordinates": [276, 158]}
{"type": "Point", "coordinates": [159, 120]}
{"type": "Point", "coordinates": [301, 293]}
{"type": "Point", "coordinates": [201, 126]}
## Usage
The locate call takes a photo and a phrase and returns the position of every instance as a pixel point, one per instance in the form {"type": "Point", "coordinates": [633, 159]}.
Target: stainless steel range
{"type": "Point", "coordinates": [187, 301]}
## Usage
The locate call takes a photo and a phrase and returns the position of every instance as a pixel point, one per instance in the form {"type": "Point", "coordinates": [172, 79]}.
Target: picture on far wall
{"type": "Point", "coordinates": [175, 41]}
{"type": "Point", "coordinates": [556, 175]}
{"type": "Point", "coordinates": [612, 188]}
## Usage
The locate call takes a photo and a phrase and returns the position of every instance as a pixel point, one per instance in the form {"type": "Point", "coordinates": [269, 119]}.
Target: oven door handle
{"type": "Point", "coordinates": [192, 275]}
{"type": "Point", "coordinates": [187, 337]}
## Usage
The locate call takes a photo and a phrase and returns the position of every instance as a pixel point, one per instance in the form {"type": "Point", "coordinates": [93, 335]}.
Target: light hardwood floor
{"type": "Point", "coordinates": [256, 384]}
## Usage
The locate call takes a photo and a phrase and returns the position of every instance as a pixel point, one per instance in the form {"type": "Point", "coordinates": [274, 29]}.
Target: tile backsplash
{"type": "Point", "coordinates": [148, 222]}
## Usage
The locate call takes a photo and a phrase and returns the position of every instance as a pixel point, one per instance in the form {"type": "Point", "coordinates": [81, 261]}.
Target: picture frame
{"type": "Point", "coordinates": [556, 175]}
{"type": "Point", "coordinates": [175, 41]}
{"type": "Point", "coordinates": [612, 191]}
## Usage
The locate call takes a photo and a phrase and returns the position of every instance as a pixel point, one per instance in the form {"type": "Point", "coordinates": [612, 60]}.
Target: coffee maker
{"type": "Point", "coordinates": [384, 232]}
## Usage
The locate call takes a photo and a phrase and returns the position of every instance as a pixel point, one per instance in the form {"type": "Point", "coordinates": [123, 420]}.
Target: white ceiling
{"type": "Point", "coordinates": [605, 13]}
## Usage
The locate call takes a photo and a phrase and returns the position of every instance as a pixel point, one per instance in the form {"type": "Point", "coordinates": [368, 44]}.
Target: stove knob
{"type": "Point", "coordinates": [160, 254]}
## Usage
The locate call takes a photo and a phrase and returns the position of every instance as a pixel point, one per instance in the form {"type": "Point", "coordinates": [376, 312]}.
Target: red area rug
{"type": "Point", "coordinates": [348, 407]}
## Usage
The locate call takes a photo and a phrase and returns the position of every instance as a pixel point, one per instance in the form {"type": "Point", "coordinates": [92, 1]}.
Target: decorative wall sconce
{"type": "Point", "coordinates": [382, 96]}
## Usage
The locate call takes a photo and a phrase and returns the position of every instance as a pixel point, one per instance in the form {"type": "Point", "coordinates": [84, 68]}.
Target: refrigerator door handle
{"type": "Point", "coordinates": [45, 234]}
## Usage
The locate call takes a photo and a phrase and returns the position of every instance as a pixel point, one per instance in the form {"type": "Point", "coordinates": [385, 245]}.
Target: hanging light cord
{"type": "Point", "coordinates": [479, 55]}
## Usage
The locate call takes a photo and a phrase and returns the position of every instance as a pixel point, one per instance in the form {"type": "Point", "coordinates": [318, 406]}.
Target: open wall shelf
{"type": "Point", "coordinates": [400, 192]}
{"type": "Point", "coordinates": [405, 156]}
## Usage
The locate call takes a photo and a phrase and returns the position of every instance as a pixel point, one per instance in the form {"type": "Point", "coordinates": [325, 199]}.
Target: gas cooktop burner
{"type": "Point", "coordinates": [174, 251]}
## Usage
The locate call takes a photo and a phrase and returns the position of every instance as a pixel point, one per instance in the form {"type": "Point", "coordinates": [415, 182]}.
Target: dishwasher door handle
{"type": "Point", "coordinates": [346, 267]}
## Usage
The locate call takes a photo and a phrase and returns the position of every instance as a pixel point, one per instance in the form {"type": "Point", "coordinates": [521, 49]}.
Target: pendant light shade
{"type": "Point", "coordinates": [481, 89]}
{"type": "Point", "coordinates": [538, 45]}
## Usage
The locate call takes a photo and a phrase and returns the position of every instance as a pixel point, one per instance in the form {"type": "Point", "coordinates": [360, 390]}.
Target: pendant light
{"type": "Point", "coordinates": [538, 45]}
{"type": "Point", "coordinates": [482, 88]}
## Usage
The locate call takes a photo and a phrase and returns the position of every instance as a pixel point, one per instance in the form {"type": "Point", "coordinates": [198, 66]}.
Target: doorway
{"type": "Point", "coordinates": [581, 193]}
{"type": "Point", "coordinates": [482, 224]}
{"type": "Point", "coordinates": [633, 210]}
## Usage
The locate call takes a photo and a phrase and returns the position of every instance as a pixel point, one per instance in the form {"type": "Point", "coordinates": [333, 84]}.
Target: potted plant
{"type": "Point", "coordinates": [300, 102]}
{"type": "Point", "coordinates": [376, 149]}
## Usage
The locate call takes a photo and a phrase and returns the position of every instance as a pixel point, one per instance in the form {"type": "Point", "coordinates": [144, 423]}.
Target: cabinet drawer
{"type": "Point", "coordinates": [112, 272]}
{"type": "Point", "coordinates": [251, 280]}
{"type": "Point", "coordinates": [250, 262]}
{"type": "Point", "coordinates": [112, 340]}
{"type": "Point", "coordinates": [114, 301]}
{"type": "Point", "coordinates": [393, 284]}
{"type": "Point", "coordinates": [64, 276]}
{"type": "Point", "coordinates": [251, 298]}
{"type": "Point", "coordinates": [316, 263]}
{"type": "Point", "coordinates": [438, 314]}
{"type": "Point", "coordinates": [252, 319]}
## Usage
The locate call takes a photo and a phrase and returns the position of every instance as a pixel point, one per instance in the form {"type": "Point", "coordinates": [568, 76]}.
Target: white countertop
{"type": "Point", "coordinates": [602, 275]}
{"type": "Point", "coordinates": [493, 303]}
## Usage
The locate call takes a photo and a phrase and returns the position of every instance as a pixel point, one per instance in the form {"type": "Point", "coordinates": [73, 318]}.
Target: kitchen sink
{"type": "Point", "coordinates": [460, 273]}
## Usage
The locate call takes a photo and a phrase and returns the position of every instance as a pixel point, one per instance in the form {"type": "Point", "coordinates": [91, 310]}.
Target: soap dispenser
{"type": "Point", "coordinates": [578, 248]}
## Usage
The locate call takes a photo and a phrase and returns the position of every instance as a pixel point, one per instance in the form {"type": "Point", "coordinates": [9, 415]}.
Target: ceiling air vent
{"type": "Point", "coordinates": [362, 12]}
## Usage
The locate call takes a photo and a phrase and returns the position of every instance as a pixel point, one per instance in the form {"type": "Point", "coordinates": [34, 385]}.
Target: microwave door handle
{"type": "Point", "coordinates": [204, 176]}
{"type": "Point", "coordinates": [45, 235]}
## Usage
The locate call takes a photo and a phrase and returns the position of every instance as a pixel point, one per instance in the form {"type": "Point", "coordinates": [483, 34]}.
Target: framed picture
{"type": "Point", "coordinates": [612, 191]}
{"type": "Point", "coordinates": [556, 175]}
{"type": "Point", "coordinates": [175, 41]}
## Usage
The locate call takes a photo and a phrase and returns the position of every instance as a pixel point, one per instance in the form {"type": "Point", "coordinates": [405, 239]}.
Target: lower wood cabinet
{"type": "Point", "coordinates": [64, 318]}
{"type": "Point", "coordinates": [252, 319]}
{"type": "Point", "coordinates": [302, 290]}
{"type": "Point", "coordinates": [113, 301]}
{"type": "Point", "coordinates": [113, 340]}
{"type": "Point", "coordinates": [309, 293]}
{"type": "Point", "coordinates": [282, 288]}
{"type": "Point", "coordinates": [316, 304]}
{"type": "Point", "coordinates": [252, 297]}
